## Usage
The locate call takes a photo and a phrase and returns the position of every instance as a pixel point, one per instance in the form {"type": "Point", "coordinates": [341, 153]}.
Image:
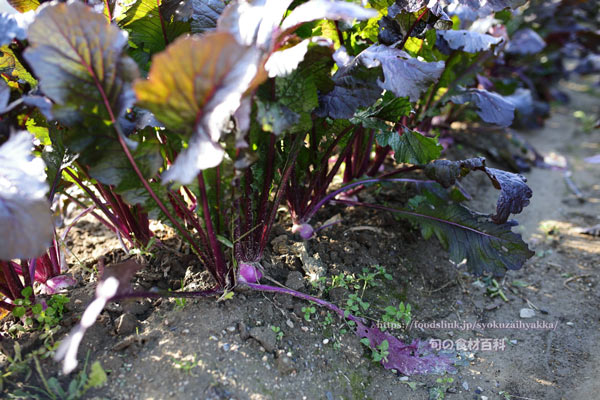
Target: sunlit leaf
{"type": "Point", "coordinates": [326, 9]}
{"type": "Point", "coordinates": [14, 26]}
{"type": "Point", "coordinates": [194, 87]}
{"type": "Point", "coordinates": [24, 5]}
{"type": "Point", "coordinates": [283, 62]}
{"type": "Point", "coordinates": [149, 29]}
{"type": "Point", "coordinates": [79, 59]}
{"type": "Point", "coordinates": [24, 210]}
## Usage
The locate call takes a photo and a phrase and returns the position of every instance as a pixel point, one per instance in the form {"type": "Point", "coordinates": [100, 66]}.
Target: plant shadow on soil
{"type": "Point", "coordinates": [205, 349]}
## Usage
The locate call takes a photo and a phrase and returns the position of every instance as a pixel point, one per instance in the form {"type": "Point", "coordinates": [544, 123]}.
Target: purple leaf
{"type": "Point", "coordinates": [24, 210]}
{"type": "Point", "coordinates": [406, 359]}
{"type": "Point", "coordinates": [205, 14]}
{"type": "Point", "coordinates": [79, 58]}
{"type": "Point", "coordinates": [593, 160]}
{"type": "Point", "coordinates": [326, 9]}
{"type": "Point", "coordinates": [492, 107]}
{"type": "Point", "coordinates": [514, 192]}
{"type": "Point", "coordinates": [194, 87]}
{"type": "Point", "coordinates": [470, 42]}
{"type": "Point", "coordinates": [525, 41]}
{"type": "Point", "coordinates": [491, 5]}
{"type": "Point", "coordinates": [403, 75]}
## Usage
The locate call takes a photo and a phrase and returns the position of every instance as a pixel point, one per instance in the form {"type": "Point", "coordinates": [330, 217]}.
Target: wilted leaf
{"type": "Point", "coordinates": [78, 57]}
{"type": "Point", "coordinates": [525, 41]}
{"type": "Point", "coordinates": [195, 86]}
{"type": "Point", "coordinates": [485, 245]}
{"type": "Point", "coordinates": [403, 75]}
{"type": "Point", "coordinates": [205, 14]}
{"type": "Point", "coordinates": [410, 147]}
{"type": "Point", "coordinates": [491, 107]}
{"type": "Point", "coordinates": [24, 210]}
{"type": "Point", "coordinates": [471, 42]}
{"type": "Point", "coordinates": [514, 192]}
{"type": "Point", "coordinates": [416, 358]}
{"type": "Point", "coordinates": [326, 9]}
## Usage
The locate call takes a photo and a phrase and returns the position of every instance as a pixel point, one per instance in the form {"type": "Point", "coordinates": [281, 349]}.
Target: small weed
{"type": "Point", "coordinates": [95, 378]}
{"type": "Point", "coordinates": [308, 312]}
{"type": "Point", "coordinates": [278, 332]}
{"type": "Point", "coordinates": [494, 289]}
{"type": "Point", "coordinates": [438, 392]}
{"type": "Point", "coordinates": [380, 352]}
{"type": "Point", "coordinates": [397, 316]}
{"type": "Point", "coordinates": [46, 318]}
{"type": "Point", "coordinates": [185, 365]}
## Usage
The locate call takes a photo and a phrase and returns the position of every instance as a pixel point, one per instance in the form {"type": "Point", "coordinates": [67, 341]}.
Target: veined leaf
{"type": "Point", "coordinates": [11, 66]}
{"type": "Point", "coordinates": [410, 147]}
{"type": "Point", "coordinates": [485, 245]}
{"type": "Point", "coordinates": [471, 42]}
{"type": "Point", "coordinates": [24, 210]}
{"type": "Point", "coordinates": [79, 59]}
{"type": "Point", "coordinates": [149, 27]}
{"type": "Point", "coordinates": [205, 14]}
{"type": "Point", "coordinates": [195, 86]}
{"type": "Point", "coordinates": [491, 107]}
{"type": "Point", "coordinates": [491, 5]}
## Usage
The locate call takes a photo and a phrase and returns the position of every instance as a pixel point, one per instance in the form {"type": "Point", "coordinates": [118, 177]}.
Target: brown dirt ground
{"type": "Point", "coordinates": [561, 285]}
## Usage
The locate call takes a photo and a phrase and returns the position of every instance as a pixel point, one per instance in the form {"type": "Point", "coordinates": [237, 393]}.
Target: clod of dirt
{"type": "Point", "coordinates": [244, 331]}
{"type": "Point", "coordinates": [312, 266]}
{"type": "Point", "coordinates": [265, 336]}
{"type": "Point", "coordinates": [136, 307]}
{"type": "Point", "coordinates": [295, 281]}
{"type": "Point", "coordinates": [126, 324]}
{"type": "Point", "coordinates": [284, 300]}
{"type": "Point", "coordinates": [284, 364]}
{"type": "Point", "coordinates": [337, 295]}
{"type": "Point", "coordinates": [527, 313]}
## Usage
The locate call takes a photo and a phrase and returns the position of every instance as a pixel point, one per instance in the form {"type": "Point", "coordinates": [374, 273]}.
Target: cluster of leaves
{"type": "Point", "coordinates": [209, 114]}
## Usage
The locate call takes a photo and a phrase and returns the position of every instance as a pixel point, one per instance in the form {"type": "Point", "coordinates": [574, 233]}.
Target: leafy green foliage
{"type": "Point", "coordinates": [411, 147]}
{"type": "Point", "coordinates": [469, 237]}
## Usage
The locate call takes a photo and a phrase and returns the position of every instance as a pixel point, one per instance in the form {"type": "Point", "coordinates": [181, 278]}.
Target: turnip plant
{"type": "Point", "coordinates": [210, 115]}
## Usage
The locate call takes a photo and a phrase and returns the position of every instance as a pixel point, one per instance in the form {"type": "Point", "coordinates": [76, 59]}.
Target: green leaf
{"type": "Point", "coordinates": [79, 58]}
{"type": "Point", "coordinates": [18, 312]}
{"type": "Point", "coordinates": [149, 27]}
{"type": "Point", "coordinates": [410, 147]}
{"type": "Point", "coordinates": [27, 292]}
{"type": "Point", "coordinates": [485, 245]}
{"type": "Point", "coordinates": [37, 308]}
{"type": "Point", "coordinates": [97, 376]}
